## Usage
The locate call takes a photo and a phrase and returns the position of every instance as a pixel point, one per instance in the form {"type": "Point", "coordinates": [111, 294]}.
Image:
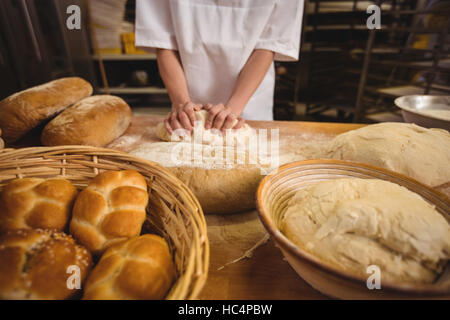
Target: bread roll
{"type": "Point", "coordinates": [138, 269]}
{"type": "Point", "coordinates": [111, 209]}
{"type": "Point", "coordinates": [94, 121]}
{"type": "Point", "coordinates": [25, 110]}
{"type": "Point", "coordinates": [32, 203]}
{"type": "Point", "coordinates": [34, 265]}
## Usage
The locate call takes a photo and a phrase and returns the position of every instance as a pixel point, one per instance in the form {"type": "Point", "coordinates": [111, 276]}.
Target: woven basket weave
{"type": "Point", "coordinates": [173, 210]}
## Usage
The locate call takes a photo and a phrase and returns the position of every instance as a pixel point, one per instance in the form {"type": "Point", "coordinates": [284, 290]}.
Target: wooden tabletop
{"type": "Point", "coordinates": [244, 263]}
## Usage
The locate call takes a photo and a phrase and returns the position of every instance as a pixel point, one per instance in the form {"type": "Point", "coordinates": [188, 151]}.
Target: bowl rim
{"type": "Point", "coordinates": [414, 111]}
{"type": "Point", "coordinates": [299, 253]}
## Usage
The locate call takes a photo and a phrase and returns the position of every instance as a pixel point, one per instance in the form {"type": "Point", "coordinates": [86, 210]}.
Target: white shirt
{"type": "Point", "coordinates": [215, 38]}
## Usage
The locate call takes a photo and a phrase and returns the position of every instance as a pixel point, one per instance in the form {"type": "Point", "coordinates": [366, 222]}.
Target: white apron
{"type": "Point", "coordinates": [215, 38]}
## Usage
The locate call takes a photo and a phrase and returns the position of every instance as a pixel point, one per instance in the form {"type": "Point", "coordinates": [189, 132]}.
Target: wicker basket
{"type": "Point", "coordinates": [173, 210]}
{"type": "Point", "coordinates": [273, 196]}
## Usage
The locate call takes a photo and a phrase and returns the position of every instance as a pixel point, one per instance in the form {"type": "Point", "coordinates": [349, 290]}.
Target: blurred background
{"type": "Point", "coordinates": [346, 72]}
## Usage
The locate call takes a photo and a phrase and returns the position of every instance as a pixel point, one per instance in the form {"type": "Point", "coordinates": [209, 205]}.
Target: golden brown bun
{"type": "Point", "coordinates": [111, 209]}
{"type": "Point", "coordinates": [138, 269]}
{"type": "Point", "coordinates": [32, 203]}
{"type": "Point", "coordinates": [94, 121]}
{"type": "Point", "coordinates": [25, 110]}
{"type": "Point", "coordinates": [34, 264]}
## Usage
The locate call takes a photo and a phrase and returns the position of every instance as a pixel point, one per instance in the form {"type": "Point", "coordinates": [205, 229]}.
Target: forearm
{"type": "Point", "coordinates": [249, 79]}
{"type": "Point", "coordinates": [172, 74]}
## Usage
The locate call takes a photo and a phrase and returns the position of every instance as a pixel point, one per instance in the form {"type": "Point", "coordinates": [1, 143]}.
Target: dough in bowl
{"type": "Point", "coordinates": [420, 153]}
{"type": "Point", "coordinates": [351, 224]}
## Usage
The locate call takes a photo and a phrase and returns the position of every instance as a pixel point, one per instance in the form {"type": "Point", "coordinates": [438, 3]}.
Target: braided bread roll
{"type": "Point", "coordinates": [138, 269]}
{"type": "Point", "coordinates": [33, 203]}
{"type": "Point", "coordinates": [110, 209]}
{"type": "Point", "coordinates": [36, 265]}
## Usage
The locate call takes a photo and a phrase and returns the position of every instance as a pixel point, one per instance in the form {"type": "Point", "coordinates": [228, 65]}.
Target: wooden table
{"type": "Point", "coordinates": [264, 275]}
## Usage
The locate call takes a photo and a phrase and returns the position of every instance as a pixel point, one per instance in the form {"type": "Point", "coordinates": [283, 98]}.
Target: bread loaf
{"type": "Point", "coordinates": [27, 109]}
{"type": "Point", "coordinates": [37, 265]}
{"type": "Point", "coordinates": [221, 191]}
{"type": "Point", "coordinates": [138, 269]}
{"type": "Point", "coordinates": [31, 203]}
{"type": "Point", "coordinates": [112, 208]}
{"type": "Point", "coordinates": [221, 186]}
{"type": "Point", "coordinates": [94, 121]}
{"type": "Point", "coordinates": [2, 143]}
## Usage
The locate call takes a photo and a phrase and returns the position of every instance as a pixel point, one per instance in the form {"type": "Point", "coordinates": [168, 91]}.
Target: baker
{"type": "Point", "coordinates": [219, 55]}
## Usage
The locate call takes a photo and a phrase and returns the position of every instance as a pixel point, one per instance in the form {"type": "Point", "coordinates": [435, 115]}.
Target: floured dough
{"type": "Point", "coordinates": [354, 223]}
{"type": "Point", "coordinates": [222, 185]}
{"type": "Point", "coordinates": [423, 154]}
{"type": "Point", "coordinates": [202, 136]}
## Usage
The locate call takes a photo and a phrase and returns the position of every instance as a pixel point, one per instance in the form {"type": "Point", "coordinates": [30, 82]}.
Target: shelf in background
{"type": "Point", "coordinates": [128, 90]}
{"type": "Point", "coordinates": [125, 57]}
{"type": "Point", "coordinates": [406, 91]}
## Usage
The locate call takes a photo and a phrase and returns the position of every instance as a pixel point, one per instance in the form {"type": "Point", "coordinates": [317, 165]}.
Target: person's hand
{"type": "Point", "coordinates": [182, 116]}
{"type": "Point", "coordinates": [222, 118]}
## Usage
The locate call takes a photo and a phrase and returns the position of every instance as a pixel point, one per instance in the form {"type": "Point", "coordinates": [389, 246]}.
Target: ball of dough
{"type": "Point", "coordinates": [420, 153]}
{"type": "Point", "coordinates": [202, 136]}
{"type": "Point", "coordinates": [354, 223]}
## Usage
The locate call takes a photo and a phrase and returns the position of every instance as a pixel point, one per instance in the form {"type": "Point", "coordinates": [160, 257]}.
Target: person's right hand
{"type": "Point", "coordinates": [182, 116]}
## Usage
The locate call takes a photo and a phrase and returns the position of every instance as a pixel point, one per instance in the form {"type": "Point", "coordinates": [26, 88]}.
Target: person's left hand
{"type": "Point", "coordinates": [222, 118]}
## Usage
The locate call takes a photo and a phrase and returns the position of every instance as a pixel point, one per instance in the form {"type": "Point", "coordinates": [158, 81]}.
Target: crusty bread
{"type": "Point", "coordinates": [94, 121]}
{"type": "Point", "coordinates": [138, 269]}
{"type": "Point", "coordinates": [34, 264]}
{"type": "Point", "coordinates": [25, 110]}
{"type": "Point", "coordinates": [112, 208]}
{"type": "Point", "coordinates": [2, 143]}
{"type": "Point", "coordinates": [32, 203]}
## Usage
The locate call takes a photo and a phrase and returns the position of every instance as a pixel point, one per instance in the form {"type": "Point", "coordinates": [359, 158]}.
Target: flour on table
{"type": "Point", "coordinates": [201, 135]}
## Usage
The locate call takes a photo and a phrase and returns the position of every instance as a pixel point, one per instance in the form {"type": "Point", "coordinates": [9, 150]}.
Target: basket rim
{"type": "Point", "coordinates": [202, 258]}
{"type": "Point", "coordinates": [311, 259]}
